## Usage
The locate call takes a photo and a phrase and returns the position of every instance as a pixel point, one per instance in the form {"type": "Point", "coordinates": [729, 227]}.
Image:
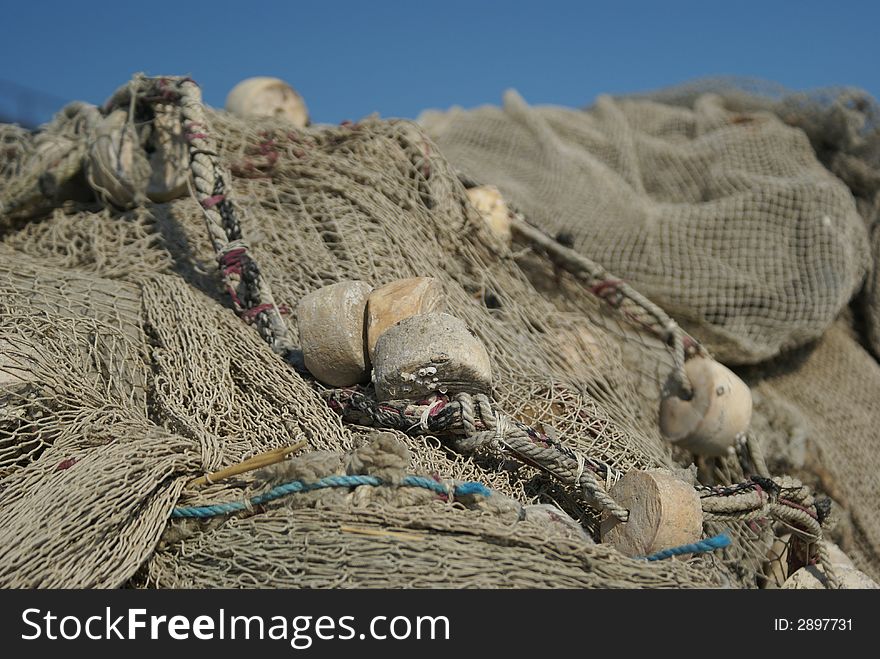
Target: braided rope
{"type": "Point", "coordinates": [472, 423]}
{"type": "Point", "coordinates": [506, 433]}
{"type": "Point", "coordinates": [294, 487]}
{"type": "Point", "coordinates": [824, 559]}
{"type": "Point", "coordinates": [250, 292]}
{"type": "Point", "coordinates": [782, 498]}
{"type": "Point", "coordinates": [617, 293]}
{"type": "Point", "coordinates": [751, 456]}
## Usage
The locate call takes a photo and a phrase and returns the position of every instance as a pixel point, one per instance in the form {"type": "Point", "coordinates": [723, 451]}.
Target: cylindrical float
{"type": "Point", "coordinates": [664, 512]}
{"type": "Point", "coordinates": [430, 352]}
{"type": "Point", "coordinates": [391, 303]}
{"type": "Point", "coordinates": [331, 333]}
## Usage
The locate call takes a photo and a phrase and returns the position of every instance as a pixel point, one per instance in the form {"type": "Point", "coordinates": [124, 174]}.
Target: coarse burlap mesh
{"type": "Point", "coordinates": [725, 219]}
{"type": "Point", "coordinates": [124, 373]}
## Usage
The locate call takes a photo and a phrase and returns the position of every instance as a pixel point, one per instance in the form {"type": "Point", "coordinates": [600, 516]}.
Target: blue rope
{"type": "Point", "coordinates": [464, 489]}
{"type": "Point", "coordinates": [703, 546]}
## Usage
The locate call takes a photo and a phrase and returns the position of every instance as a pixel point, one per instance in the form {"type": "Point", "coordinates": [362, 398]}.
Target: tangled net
{"type": "Point", "coordinates": [125, 373]}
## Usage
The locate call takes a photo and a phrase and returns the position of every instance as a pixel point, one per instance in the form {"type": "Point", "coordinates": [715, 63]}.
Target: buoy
{"type": "Point", "coordinates": [493, 209]}
{"type": "Point", "coordinates": [391, 303]}
{"type": "Point", "coordinates": [778, 565]}
{"type": "Point", "coordinates": [430, 352]}
{"type": "Point", "coordinates": [117, 167]}
{"type": "Point", "coordinates": [169, 156]}
{"type": "Point", "coordinates": [331, 333]}
{"type": "Point", "coordinates": [664, 512]}
{"type": "Point", "coordinates": [812, 577]}
{"type": "Point", "coordinates": [267, 97]}
{"type": "Point", "coordinates": [719, 410]}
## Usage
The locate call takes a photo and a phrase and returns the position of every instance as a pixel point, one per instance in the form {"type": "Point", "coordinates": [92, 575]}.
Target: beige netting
{"type": "Point", "coordinates": [725, 219]}
{"type": "Point", "coordinates": [711, 198]}
{"type": "Point", "coordinates": [427, 546]}
{"type": "Point", "coordinates": [125, 373]}
{"type": "Point", "coordinates": [820, 413]}
{"type": "Point", "coordinates": [843, 126]}
{"type": "Point", "coordinates": [340, 538]}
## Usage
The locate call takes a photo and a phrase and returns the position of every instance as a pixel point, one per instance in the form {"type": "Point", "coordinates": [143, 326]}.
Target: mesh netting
{"type": "Point", "coordinates": [725, 219]}
{"type": "Point", "coordinates": [429, 546]}
{"type": "Point", "coordinates": [127, 309]}
{"type": "Point", "coordinates": [819, 417]}
{"type": "Point", "coordinates": [125, 373]}
{"type": "Point", "coordinates": [843, 126]}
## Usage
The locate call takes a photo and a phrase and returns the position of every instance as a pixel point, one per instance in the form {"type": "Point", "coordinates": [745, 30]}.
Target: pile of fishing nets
{"type": "Point", "coordinates": [149, 336]}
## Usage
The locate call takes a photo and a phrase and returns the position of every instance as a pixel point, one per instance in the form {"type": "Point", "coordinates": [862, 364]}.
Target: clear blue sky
{"type": "Point", "coordinates": [397, 58]}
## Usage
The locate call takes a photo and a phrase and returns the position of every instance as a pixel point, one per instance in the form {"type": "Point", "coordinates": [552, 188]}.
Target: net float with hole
{"type": "Point", "coordinates": [117, 167]}
{"type": "Point", "coordinates": [718, 410]}
{"type": "Point", "coordinates": [399, 299]}
{"type": "Point", "coordinates": [168, 153]}
{"type": "Point", "coordinates": [430, 352]}
{"type": "Point", "coordinates": [493, 209]}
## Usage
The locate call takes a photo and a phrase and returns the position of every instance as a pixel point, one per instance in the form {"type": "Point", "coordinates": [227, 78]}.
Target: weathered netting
{"type": "Point", "coordinates": [125, 373]}
{"type": "Point", "coordinates": [843, 126]}
{"type": "Point", "coordinates": [819, 403]}
{"type": "Point", "coordinates": [710, 197]}
{"type": "Point", "coordinates": [425, 546]}
{"type": "Point", "coordinates": [726, 219]}
{"type": "Point", "coordinates": [341, 537]}
{"type": "Point", "coordinates": [818, 415]}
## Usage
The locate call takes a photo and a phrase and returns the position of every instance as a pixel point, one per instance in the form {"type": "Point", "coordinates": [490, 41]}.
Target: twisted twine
{"type": "Point", "coordinates": [781, 498]}
{"type": "Point", "coordinates": [700, 547]}
{"type": "Point", "coordinates": [634, 306]}
{"type": "Point", "coordinates": [506, 433]}
{"type": "Point", "coordinates": [293, 487]}
{"type": "Point", "coordinates": [250, 292]}
{"type": "Point", "coordinates": [471, 423]}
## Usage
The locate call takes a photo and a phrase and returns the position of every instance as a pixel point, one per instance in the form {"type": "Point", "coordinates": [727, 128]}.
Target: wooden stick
{"type": "Point", "coordinates": [254, 462]}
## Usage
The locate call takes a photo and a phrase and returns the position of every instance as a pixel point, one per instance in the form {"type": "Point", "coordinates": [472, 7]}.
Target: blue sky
{"type": "Point", "coordinates": [349, 59]}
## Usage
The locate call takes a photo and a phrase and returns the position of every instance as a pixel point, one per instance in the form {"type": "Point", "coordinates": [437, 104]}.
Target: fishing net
{"type": "Point", "coordinates": [819, 419]}
{"type": "Point", "coordinates": [820, 401]}
{"type": "Point", "coordinates": [125, 372]}
{"type": "Point", "coordinates": [340, 538]}
{"type": "Point", "coordinates": [725, 219]}
{"type": "Point", "coordinates": [843, 126]}
{"type": "Point", "coordinates": [717, 197]}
